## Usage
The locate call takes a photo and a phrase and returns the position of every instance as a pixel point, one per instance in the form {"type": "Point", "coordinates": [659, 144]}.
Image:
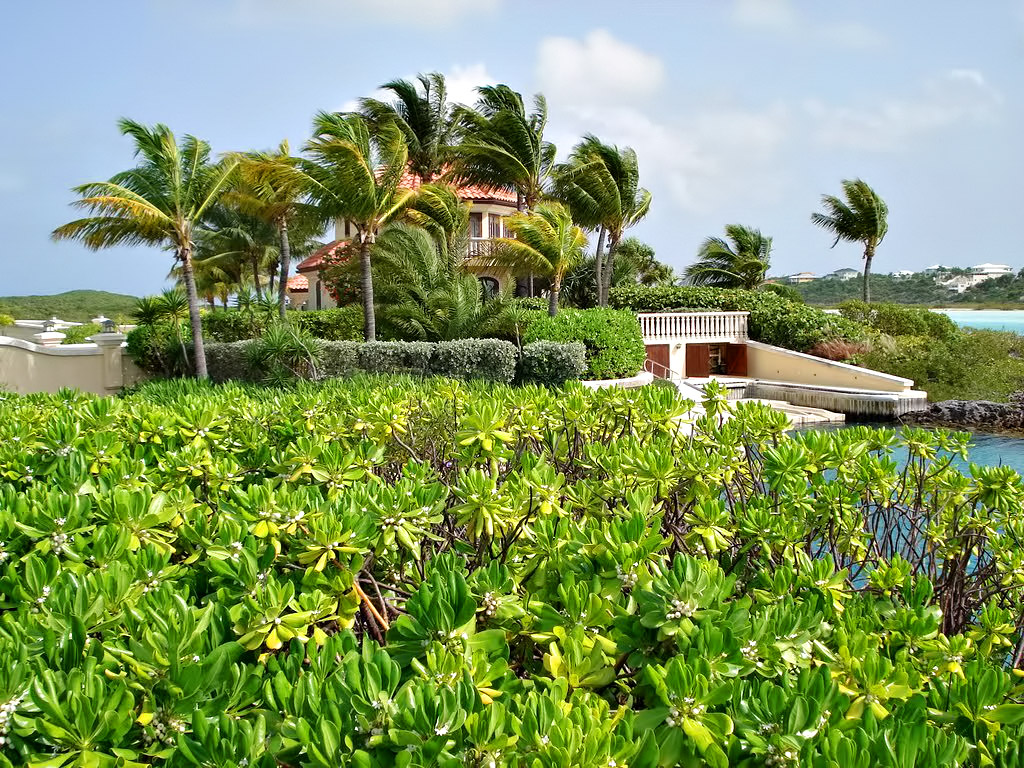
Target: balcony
{"type": "Point", "coordinates": [694, 327]}
{"type": "Point", "coordinates": [479, 247]}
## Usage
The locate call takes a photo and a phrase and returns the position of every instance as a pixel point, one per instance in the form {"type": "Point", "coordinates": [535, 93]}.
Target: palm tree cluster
{"type": "Point", "coordinates": [235, 223]}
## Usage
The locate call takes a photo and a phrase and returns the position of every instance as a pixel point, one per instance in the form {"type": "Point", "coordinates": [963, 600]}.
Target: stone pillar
{"type": "Point", "coordinates": [110, 347]}
{"type": "Point", "coordinates": [49, 338]}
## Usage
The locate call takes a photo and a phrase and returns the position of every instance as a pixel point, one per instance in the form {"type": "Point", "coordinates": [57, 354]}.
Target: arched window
{"type": "Point", "coordinates": [490, 286]}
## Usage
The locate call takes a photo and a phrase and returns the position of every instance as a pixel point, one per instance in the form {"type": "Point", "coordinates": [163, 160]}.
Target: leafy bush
{"type": "Point", "coordinates": [160, 348]}
{"type": "Point", "coordinates": [229, 361]}
{"type": "Point", "coordinates": [284, 352]}
{"type": "Point", "coordinates": [229, 325]}
{"type": "Point", "coordinates": [6, 320]}
{"type": "Point", "coordinates": [773, 319]}
{"type": "Point", "coordinates": [79, 334]}
{"type": "Point", "coordinates": [396, 356]}
{"type": "Point", "coordinates": [551, 363]}
{"type": "Point", "coordinates": [338, 324]}
{"type": "Point", "coordinates": [487, 359]}
{"type": "Point", "coordinates": [615, 347]}
{"type": "Point", "coordinates": [897, 320]}
{"type": "Point", "coordinates": [403, 572]}
{"type": "Point", "coordinates": [339, 358]}
{"type": "Point", "coordinates": [787, 292]}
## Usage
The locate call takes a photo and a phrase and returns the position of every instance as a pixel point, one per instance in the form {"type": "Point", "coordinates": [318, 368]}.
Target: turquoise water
{"type": "Point", "coordinates": [989, 319]}
{"type": "Point", "coordinates": [987, 449]}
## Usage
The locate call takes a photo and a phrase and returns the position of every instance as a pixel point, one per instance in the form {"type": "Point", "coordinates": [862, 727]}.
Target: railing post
{"type": "Point", "coordinates": [110, 348]}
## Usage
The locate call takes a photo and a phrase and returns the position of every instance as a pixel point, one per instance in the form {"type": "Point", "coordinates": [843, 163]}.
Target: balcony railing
{"type": "Point", "coordinates": [479, 247]}
{"type": "Point", "coordinates": [667, 327]}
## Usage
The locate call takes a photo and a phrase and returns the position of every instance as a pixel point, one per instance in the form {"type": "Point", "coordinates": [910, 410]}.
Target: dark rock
{"type": "Point", "coordinates": [972, 414]}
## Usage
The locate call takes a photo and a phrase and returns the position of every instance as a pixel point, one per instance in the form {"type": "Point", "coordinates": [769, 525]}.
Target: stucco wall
{"type": "Point", "coordinates": [776, 364]}
{"type": "Point", "coordinates": [26, 367]}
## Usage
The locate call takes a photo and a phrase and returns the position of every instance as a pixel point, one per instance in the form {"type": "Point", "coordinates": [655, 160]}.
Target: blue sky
{"type": "Point", "coordinates": [741, 111]}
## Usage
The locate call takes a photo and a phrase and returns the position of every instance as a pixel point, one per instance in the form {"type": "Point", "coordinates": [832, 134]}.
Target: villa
{"type": "Point", "coordinates": [843, 274]}
{"type": "Point", "coordinates": [487, 209]}
{"type": "Point", "coordinates": [801, 277]}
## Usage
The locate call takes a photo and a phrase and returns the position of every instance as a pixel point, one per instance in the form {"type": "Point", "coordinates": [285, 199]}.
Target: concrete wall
{"type": "Point", "coordinates": [782, 365]}
{"type": "Point", "coordinates": [101, 368]}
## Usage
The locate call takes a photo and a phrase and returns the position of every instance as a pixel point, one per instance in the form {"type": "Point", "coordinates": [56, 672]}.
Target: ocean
{"type": "Point", "coordinates": [988, 319]}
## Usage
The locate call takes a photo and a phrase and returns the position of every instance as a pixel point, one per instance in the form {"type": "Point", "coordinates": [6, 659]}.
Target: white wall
{"type": "Point", "coordinates": [26, 367]}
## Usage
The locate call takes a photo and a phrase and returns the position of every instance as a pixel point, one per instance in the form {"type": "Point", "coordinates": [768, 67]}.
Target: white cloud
{"type": "Point", "coordinates": [406, 12]}
{"type": "Point", "coordinates": [958, 95]}
{"type": "Point", "coordinates": [783, 18]}
{"type": "Point", "coordinates": [597, 68]}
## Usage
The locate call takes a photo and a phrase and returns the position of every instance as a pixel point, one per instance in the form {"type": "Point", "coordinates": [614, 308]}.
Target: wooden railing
{"type": "Point", "coordinates": [693, 326]}
{"type": "Point", "coordinates": [479, 247]}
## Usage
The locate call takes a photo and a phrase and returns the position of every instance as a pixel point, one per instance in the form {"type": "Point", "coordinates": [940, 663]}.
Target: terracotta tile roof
{"type": "Point", "coordinates": [298, 283]}
{"type": "Point", "coordinates": [466, 191]}
{"type": "Point", "coordinates": [313, 262]}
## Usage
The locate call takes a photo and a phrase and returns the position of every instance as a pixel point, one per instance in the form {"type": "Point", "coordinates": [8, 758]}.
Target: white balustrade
{"type": "Point", "coordinates": [685, 327]}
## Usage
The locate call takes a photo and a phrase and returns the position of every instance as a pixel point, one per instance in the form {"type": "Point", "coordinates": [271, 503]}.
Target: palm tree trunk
{"type": "Point", "coordinates": [609, 264]}
{"type": "Point", "coordinates": [869, 255]}
{"type": "Point", "coordinates": [256, 276]}
{"type": "Point", "coordinates": [553, 299]}
{"type": "Point", "coordinates": [599, 266]}
{"type": "Point", "coordinates": [286, 260]}
{"type": "Point", "coordinates": [198, 351]}
{"type": "Point", "coordinates": [370, 320]}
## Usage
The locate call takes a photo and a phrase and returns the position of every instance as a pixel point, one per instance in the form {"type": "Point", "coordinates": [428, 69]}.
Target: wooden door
{"type": "Point", "coordinates": [736, 360]}
{"type": "Point", "coordinates": [659, 355]}
{"type": "Point", "coordinates": [698, 360]}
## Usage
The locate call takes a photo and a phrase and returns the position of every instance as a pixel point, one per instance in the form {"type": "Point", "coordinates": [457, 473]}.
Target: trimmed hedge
{"type": "Point", "coordinates": [488, 359]}
{"type": "Point", "coordinates": [615, 347]}
{"type": "Point", "coordinates": [773, 318]}
{"type": "Point", "coordinates": [552, 364]}
{"type": "Point", "coordinates": [339, 324]}
{"type": "Point", "coordinates": [900, 320]}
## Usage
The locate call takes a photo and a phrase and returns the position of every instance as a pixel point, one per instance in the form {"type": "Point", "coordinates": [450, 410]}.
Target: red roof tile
{"type": "Point", "coordinates": [313, 262]}
{"type": "Point", "coordinates": [298, 283]}
{"type": "Point", "coordinates": [465, 191]}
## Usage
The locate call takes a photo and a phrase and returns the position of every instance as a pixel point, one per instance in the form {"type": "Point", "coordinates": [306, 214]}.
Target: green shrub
{"type": "Point", "coordinates": [488, 359]}
{"type": "Point", "coordinates": [339, 324]}
{"type": "Point", "coordinates": [785, 291]}
{"type": "Point", "coordinates": [551, 363]}
{"type": "Point", "coordinates": [284, 352]}
{"type": "Point", "coordinates": [228, 361]}
{"type": "Point", "coordinates": [395, 356]}
{"type": "Point", "coordinates": [773, 319]}
{"type": "Point", "coordinates": [339, 358]}
{"type": "Point", "coordinates": [234, 325]}
{"type": "Point", "coordinates": [615, 347]}
{"type": "Point", "coordinates": [79, 334]}
{"type": "Point", "coordinates": [6, 320]}
{"type": "Point", "coordinates": [160, 349]}
{"type": "Point", "coordinates": [900, 320]}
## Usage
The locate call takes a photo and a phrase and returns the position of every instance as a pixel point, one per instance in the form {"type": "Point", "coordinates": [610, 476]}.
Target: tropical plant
{"type": "Point", "coordinates": [162, 201]}
{"type": "Point", "coordinates": [276, 190]}
{"type": "Point", "coordinates": [546, 242]}
{"type": "Point", "coordinates": [425, 118]}
{"type": "Point", "coordinates": [439, 210]}
{"type": "Point", "coordinates": [862, 217]}
{"type": "Point", "coordinates": [601, 184]}
{"type": "Point", "coordinates": [635, 264]}
{"type": "Point", "coordinates": [239, 244]}
{"type": "Point", "coordinates": [425, 294]}
{"type": "Point", "coordinates": [742, 261]}
{"type": "Point", "coordinates": [355, 174]}
{"type": "Point", "coordinates": [503, 144]}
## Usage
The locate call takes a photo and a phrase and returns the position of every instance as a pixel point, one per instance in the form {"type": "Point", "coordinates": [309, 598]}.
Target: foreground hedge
{"type": "Point", "coordinates": [398, 572]}
{"type": "Point", "coordinates": [612, 339]}
{"type": "Point", "coordinates": [773, 318]}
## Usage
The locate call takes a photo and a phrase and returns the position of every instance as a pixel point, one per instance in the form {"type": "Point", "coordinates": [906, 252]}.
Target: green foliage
{"type": "Point", "coordinates": [914, 289]}
{"type": "Point", "coordinates": [773, 319]}
{"type": "Point", "coordinates": [6, 320]}
{"type": "Point", "coordinates": [407, 572]}
{"type": "Point", "coordinates": [157, 348]}
{"type": "Point", "coordinates": [551, 363]}
{"type": "Point", "coordinates": [787, 292]}
{"type": "Point", "coordinates": [487, 359]}
{"type": "Point", "coordinates": [742, 261]}
{"type": "Point", "coordinates": [895, 320]}
{"type": "Point", "coordinates": [74, 306]}
{"type": "Point", "coordinates": [971, 365]}
{"type": "Point", "coordinates": [338, 324]}
{"type": "Point", "coordinates": [284, 352]}
{"type": "Point", "coordinates": [615, 347]}
{"type": "Point", "coordinates": [79, 334]}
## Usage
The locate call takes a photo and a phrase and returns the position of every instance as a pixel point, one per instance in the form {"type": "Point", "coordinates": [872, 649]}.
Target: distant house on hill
{"type": "Point", "coordinates": [902, 274]}
{"type": "Point", "coordinates": [801, 277]}
{"type": "Point", "coordinates": [488, 208]}
{"type": "Point", "coordinates": [843, 274]}
{"type": "Point", "coordinates": [988, 271]}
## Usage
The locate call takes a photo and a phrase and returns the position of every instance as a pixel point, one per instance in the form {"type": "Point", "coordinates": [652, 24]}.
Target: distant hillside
{"type": "Point", "coordinates": [77, 306]}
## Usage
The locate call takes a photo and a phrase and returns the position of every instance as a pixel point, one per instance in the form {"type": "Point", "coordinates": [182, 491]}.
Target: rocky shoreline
{"type": "Point", "coordinates": [981, 415]}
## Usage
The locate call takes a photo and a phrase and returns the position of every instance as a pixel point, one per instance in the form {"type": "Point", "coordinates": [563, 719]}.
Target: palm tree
{"type": "Point", "coordinates": [424, 117]}
{"type": "Point", "coordinates": [236, 243]}
{"type": "Point", "coordinates": [162, 201]}
{"type": "Point", "coordinates": [547, 243]}
{"type": "Point", "coordinates": [438, 209]}
{"type": "Point", "coordinates": [426, 295]}
{"type": "Point", "coordinates": [861, 218]}
{"type": "Point", "coordinates": [601, 184]}
{"type": "Point", "coordinates": [503, 145]}
{"type": "Point", "coordinates": [275, 190]}
{"type": "Point", "coordinates": [741, 263]}
{"type": "Point", "coordinates": [354, 174]}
